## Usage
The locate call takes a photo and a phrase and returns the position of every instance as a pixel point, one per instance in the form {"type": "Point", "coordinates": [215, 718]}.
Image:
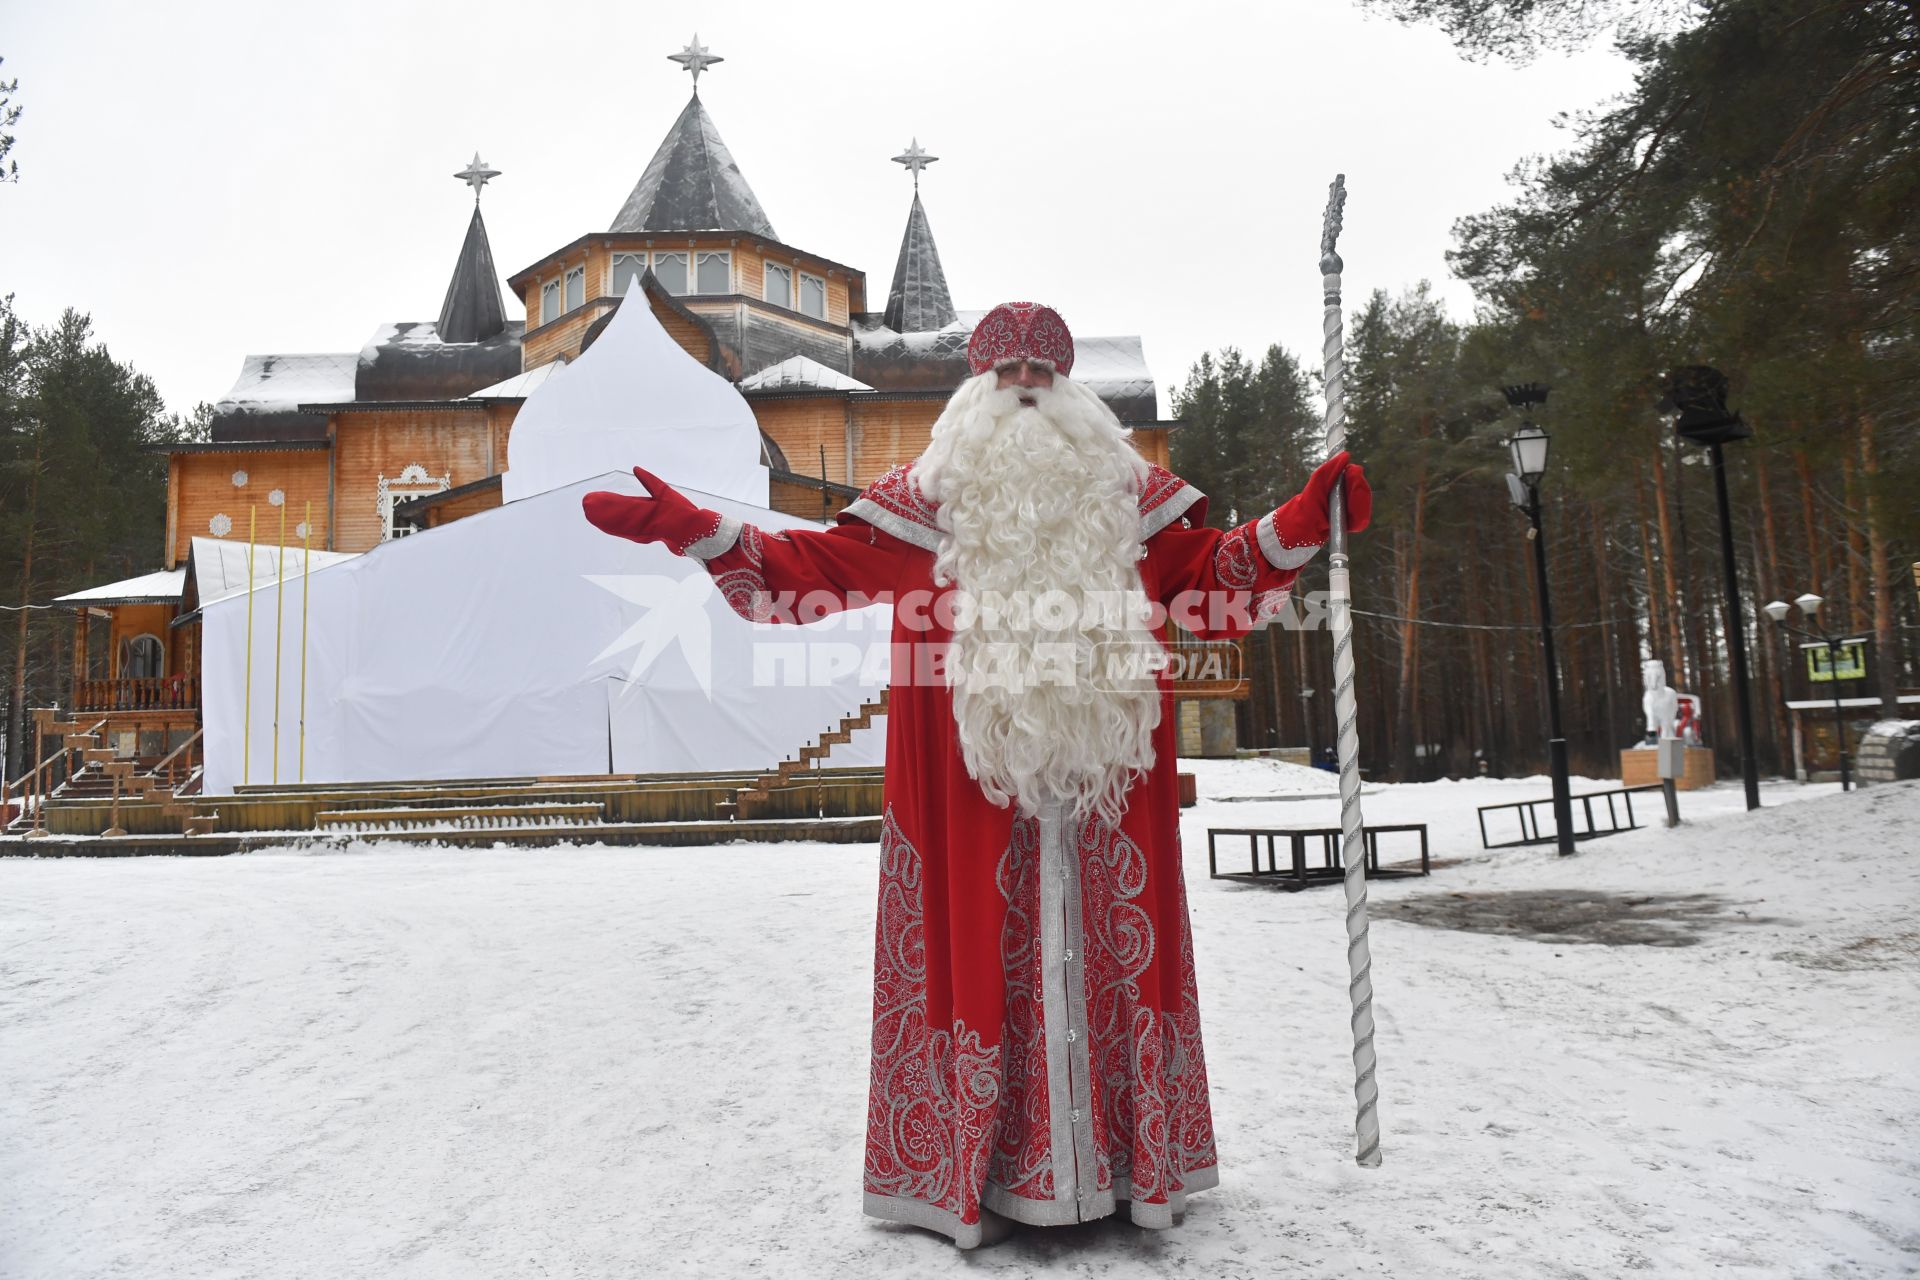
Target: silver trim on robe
{"type": "Point", "coordinates": [715, 544]}
{"type": "Point", "coordinates": [1278, 555]}
{"type": "Point", "coordinates": [1152, 522]}
{"type": "Point", "coordinates": [892, 522]}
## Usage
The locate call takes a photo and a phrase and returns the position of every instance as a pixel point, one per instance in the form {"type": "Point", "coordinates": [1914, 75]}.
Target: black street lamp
{"type": "Point", "coordinates": [1698, 395]}
{"type": "Point", "coordinates": [1528, 447]}
{"type": "Point", "coordinates": [1810, 605]}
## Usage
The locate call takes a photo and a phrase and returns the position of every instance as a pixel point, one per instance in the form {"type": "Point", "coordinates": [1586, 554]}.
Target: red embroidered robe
{"type": "Point", "coordinates": [1036, 1032]}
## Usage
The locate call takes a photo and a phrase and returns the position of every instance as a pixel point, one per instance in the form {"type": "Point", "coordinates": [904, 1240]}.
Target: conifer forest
{"type": "Point", "coordinates": [1752, 204]}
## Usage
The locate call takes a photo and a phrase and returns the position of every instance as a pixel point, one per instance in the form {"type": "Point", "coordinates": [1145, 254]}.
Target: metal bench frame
{"type": "Point", "coordinates": [1530, 817]}
{"type": "Point", "coordinates": [1297, 873]}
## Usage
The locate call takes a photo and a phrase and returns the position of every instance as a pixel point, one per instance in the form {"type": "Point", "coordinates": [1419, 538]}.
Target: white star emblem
{"type": "Point", "coordinates": [675, 614]}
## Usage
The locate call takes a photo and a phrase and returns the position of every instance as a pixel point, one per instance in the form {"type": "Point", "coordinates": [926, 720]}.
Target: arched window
{"type": "Point", "coordinates": [142, 658]}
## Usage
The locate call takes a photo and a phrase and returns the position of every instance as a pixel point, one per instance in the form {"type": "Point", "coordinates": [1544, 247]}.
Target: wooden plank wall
{"type": "Point", "coordinates": [803, 427]}
{"type": "Point", "coordinates": [805, 502]}
{"type": "Point", "coordinates": [384, 443]}
{"type": "Point", "coordinates": [204, 488]}
{"type": "Point", "coordinates": [471, 505]}
{"type": "Point", "coordinates": [499, 426]}
{"type": "Point", "coordinates": [1152, 444]}
{"type": "Point", "coordinates": [887, 433]}
{"type": "Point", "coordinates": [561, 341]}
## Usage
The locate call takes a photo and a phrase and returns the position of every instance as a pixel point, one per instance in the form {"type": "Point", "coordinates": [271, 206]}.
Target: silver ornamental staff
{"type": "Point", "coordinates": [1366, 1091]}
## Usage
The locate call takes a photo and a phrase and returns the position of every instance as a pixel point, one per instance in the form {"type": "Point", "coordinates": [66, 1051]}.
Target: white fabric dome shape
{"type": "Point", "coordinates": [635, 397]}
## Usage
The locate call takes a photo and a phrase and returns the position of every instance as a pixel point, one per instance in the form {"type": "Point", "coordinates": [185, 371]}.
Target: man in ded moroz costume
{"type": "Point", "coordinates": [1036, 1032]}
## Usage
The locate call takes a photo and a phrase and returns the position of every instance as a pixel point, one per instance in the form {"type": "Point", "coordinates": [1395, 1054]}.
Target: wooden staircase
{"type": "Point", "coordinates": [103, 772]}
{"type": "Point", "coordinates": [133, 783]}
{"type": "Point", "coordinates": [790, 771]}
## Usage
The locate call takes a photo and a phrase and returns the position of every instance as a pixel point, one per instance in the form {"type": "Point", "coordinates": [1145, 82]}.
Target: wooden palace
{"type": "Point", "coordinates": [341, 452]}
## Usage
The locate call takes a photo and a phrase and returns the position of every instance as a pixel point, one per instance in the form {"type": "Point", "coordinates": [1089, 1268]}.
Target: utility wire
{"type": "Point", "coordinates": [1494, 626]}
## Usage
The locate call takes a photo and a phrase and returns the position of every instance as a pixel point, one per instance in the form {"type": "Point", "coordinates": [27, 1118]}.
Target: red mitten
{"type": "Point", "coordinates": [1302, 520]}
{"type": "Point", "coordinates": [667, 516]}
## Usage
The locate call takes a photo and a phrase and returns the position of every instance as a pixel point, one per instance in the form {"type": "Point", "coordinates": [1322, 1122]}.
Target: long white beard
{"type": "Point", "coordinates": [1039, 506]}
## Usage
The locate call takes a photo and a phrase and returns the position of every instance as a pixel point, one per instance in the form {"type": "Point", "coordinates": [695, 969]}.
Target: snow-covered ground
{"type": "Point", "coordinates": [405, 1062]}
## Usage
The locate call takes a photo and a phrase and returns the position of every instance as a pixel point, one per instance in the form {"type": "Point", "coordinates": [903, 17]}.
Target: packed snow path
{"type": "Point", "coordinates": [395, 1062]}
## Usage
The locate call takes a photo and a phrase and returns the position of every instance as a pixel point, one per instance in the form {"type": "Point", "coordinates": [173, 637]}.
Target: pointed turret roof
{"type": "Point", "coordinates": [472, 311]}
{"type": "Point", "coordinates": [693, 184]}
{"type": "Point", "coordinates": [918, 302]}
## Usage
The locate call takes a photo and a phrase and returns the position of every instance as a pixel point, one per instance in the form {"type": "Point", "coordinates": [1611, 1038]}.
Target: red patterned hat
{"type": "Point", "coordinates": [1021, 331]}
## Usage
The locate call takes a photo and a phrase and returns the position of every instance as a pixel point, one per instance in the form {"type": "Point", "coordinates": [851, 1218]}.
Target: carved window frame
{"type": "Point", "coordinates": [412, 482]}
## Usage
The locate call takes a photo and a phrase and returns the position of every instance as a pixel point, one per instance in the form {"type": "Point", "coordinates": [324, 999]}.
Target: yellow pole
{"type": "Point", "coordinates": [279, 614]}
{"type": "Point", "coordinates": [306, 568]}
{"type": "Point", "coordinates": [246, 718]}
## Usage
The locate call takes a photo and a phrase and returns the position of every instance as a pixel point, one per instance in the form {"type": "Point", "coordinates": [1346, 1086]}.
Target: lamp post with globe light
{"type": "Point", "coordinates": [1528, 448]}
{"type": "Point", "coordinates": [1810, 605]}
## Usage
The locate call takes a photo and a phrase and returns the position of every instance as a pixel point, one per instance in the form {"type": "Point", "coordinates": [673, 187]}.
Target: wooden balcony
{"type": "Point", "coordinates": [149, 693]}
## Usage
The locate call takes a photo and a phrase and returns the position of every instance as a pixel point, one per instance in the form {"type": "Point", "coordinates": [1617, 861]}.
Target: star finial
{"type": "Point", "coordinates": [476, 174]}
{"type": "Point", "coordinates": [695, 58]}
{"type": "Point", "coordinates": [915, 158]}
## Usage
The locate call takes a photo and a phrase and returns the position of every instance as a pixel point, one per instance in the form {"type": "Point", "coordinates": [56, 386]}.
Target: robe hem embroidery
{"type": "Point", "coordinates": [1155, 1215]}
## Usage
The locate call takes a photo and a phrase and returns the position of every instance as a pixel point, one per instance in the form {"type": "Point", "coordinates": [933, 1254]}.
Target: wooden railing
{"type": "Point", "coordinates": [34, 786]}
{"type": "Point", "coordinates": [145, 693]}
{"type": "Point", "coordinates": [179, 763]}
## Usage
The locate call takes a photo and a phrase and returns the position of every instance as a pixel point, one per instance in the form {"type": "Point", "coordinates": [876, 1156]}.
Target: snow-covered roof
{"type": "Point", "coordinates": [693, 184]}
{"type": "Point", "coordinates": [412, 360]}
{"type": "Point", "coordinates": [801, 373]}
{"type": "Point", "coordinates": [879, 336]}
{"type": "Point", "coordinates": [220, 567]}
{"type": "Point", "coordinates": [163, 587]}
{"type": "Point", "coordinates": [1116, 368]}
{"type": "Point", "coordinates": [282, 383]}
{"type": "Point", "coordinates": [520, 385]}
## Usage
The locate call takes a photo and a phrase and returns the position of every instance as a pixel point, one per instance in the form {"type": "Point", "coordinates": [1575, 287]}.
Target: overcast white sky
{"type": "Point", "coordinates": [216, 178]}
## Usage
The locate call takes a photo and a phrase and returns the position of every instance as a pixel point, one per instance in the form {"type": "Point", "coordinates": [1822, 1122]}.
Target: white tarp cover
{"type": "Point", "coordinates": [634, 396]}
{"type": "Point", "coordinates": [481, 649]}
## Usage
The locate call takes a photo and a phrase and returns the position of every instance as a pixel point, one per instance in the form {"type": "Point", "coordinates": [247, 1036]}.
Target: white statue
{"type": "Point", "coordinates": [1660, 702]}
